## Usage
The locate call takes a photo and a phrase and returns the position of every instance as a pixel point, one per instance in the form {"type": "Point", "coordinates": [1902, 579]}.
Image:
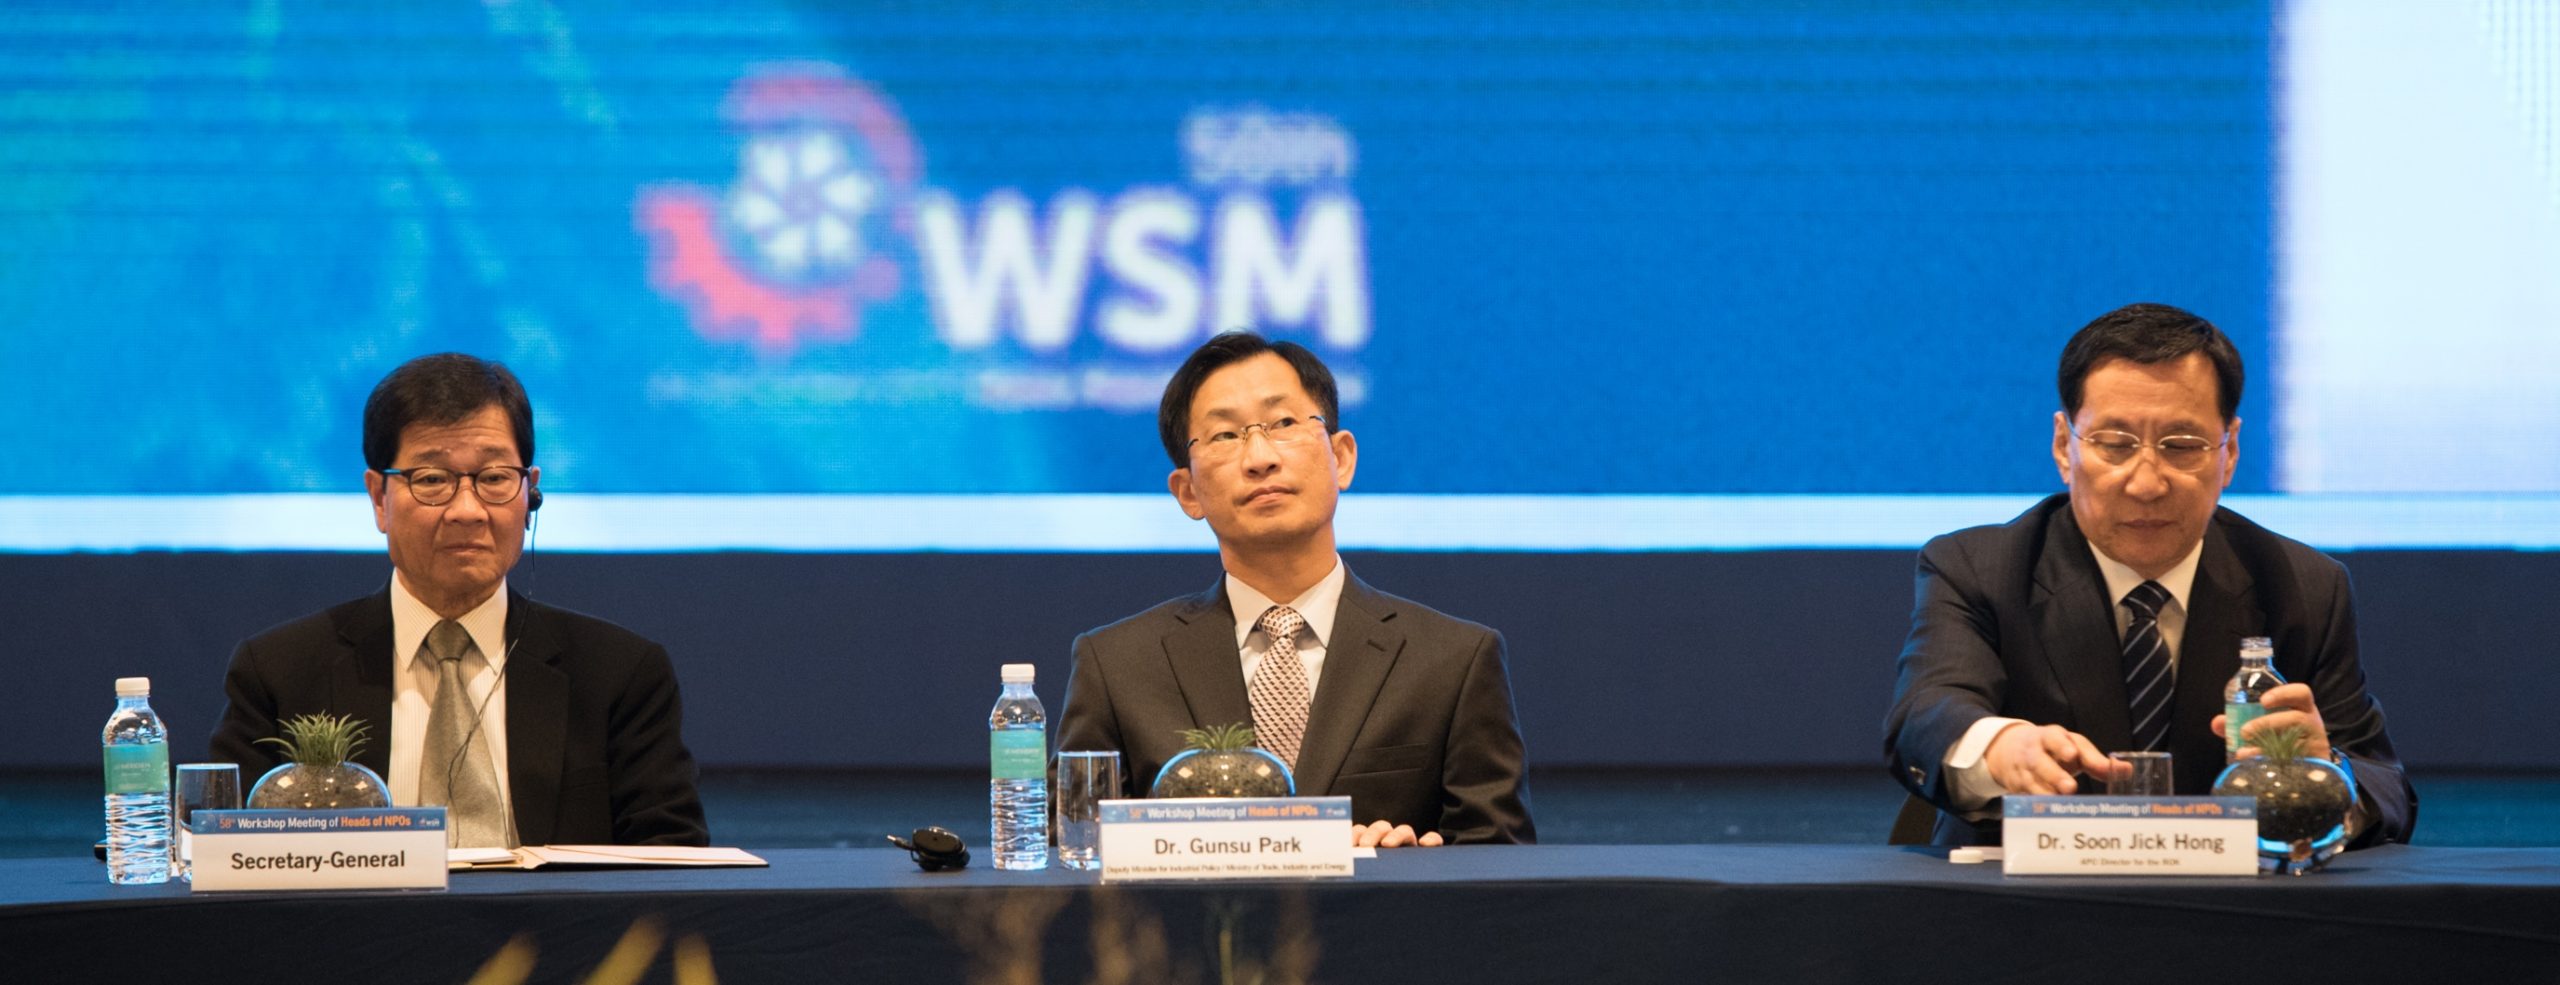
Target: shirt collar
{"type": "Point", "coordinates": [411, 619]}
{"type": "Point", "coordinates": [1317, 606]}
{"type": "Point", "coordinates": [2122, 580]}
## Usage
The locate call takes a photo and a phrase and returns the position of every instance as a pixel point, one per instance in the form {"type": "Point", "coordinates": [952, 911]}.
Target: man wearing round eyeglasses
{"type": "Point", "coordinates": [2108, 617]}
{"type": "Point", "coordinates": [529, 724]}
{"type": "Point", "coordinates": [1366, 695]}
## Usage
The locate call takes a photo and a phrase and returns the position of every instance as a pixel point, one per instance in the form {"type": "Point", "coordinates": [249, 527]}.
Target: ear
{"type": "Point", "coordinates": [2062, 447]}
{"type": "Point", "coordinates": [1179, 484]}
{"type": "Point", "coordinates": [2231, 455]}
{"type": "Point", "coordinates": [375, 485]}
{"type": "Point", "coordinates": [1346, 458]}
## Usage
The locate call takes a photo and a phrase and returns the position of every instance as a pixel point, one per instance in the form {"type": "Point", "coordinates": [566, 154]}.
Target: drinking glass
{"type": "Point", "coordinates": [2150, 776]}
{"type": "Point", "coordinates": [1085, 780]}
{"type": "Point", "coordinates": [201, 787]}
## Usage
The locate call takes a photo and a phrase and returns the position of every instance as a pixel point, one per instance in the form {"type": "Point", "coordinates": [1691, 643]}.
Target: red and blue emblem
{"type": "Point", "coordinates": [799, 244]}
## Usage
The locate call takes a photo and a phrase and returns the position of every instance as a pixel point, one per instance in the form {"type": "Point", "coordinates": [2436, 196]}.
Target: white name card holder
{"type": "Point", "coordinates": [1212, 838]}
{"type": "Point", "coordinates": [2129, 836]}
{"type": "Point", "coordinates": [369, 848]}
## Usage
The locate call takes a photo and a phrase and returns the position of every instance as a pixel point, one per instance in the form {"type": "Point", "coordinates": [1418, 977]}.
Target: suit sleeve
{"type": "Point", "coordinates": [1088, 722]}
{"type": "Point", "coordinates": [1484, 796]}
{"type": "Point", "coordinates": [1950, 672]}
{"type": "Point", "coordinates": [654, 800]}
{"type": "Point", "coordinates": [2354, 721]}
{"type": "Point", "coordinates": [249, 714]}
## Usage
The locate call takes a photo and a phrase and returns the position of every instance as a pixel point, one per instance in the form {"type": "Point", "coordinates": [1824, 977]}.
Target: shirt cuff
{"type": "Point", "coordinates": [1970, 787]}
{"type": "Point", "coordinates": [2359, 812]}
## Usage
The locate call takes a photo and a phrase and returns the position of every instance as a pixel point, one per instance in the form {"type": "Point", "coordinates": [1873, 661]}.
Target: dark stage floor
{"type": "Point", "coordinates": [58, 812]}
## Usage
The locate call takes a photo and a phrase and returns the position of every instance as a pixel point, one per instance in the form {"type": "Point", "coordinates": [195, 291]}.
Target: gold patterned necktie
{"type": "Point", "coordinates": [456, 770]}
{"type": "Point", "coordinates": [1279, 687]}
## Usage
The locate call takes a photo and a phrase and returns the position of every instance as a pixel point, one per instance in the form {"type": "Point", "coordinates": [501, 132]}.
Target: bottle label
{"type": "Point", "coordinates": [1019, 754]}
{"type": "Point", "coordinates": [138, 769]}
{"type": "Point", "coordinates": [2234, 718]}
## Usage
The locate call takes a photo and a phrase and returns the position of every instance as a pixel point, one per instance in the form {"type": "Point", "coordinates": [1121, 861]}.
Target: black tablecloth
{"type": "Point", "coordinates": [1530, 914]}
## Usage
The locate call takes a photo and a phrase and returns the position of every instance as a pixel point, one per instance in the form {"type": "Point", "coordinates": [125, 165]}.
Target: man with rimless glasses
{"type": "Point", "coordinates": [2109, 617]}
{"type": "Point", "coordinates": [531, 725]}
{"type": "Point", "coordinates": [1366, 695]}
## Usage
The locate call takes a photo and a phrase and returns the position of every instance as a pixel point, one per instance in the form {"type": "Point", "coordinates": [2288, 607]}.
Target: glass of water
{"type": "Point", "coordinates": [201, 787]}
{"type": "Point", "coordinates": [2146, 774]}
{"type": "Point", "coordinates": [1085, 780]}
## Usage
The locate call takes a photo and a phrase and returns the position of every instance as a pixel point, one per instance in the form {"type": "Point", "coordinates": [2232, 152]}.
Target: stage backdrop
{"type": "Point", "coordinates": [1634, 276]}
{"type": "Point", "coordinates": [954, 248]}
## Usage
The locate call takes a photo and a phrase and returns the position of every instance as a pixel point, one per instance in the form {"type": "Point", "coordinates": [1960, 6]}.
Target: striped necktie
{"type": "Point", "coordinates": [2148, 678]}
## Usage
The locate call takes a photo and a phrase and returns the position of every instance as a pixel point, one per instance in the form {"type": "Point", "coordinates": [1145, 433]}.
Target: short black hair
{"type": "Point", "coordinates": [437, 390]}
{"type": "Point", "coordinates": [2149, 333]}
{"type": "Point", "coordinates": [1173, 414]}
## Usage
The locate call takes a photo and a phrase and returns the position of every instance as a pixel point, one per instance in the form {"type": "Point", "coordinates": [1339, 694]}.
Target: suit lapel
{"type": "Point", "coordinates": [2075, 622]}
{"type": "Point", "coordinates": [537, 719]}
{"type": "Point", "coordinates": [1356, 661]}
{"type": "Point", "coordinates": [360, 679]}
{"type": "Point", "coordinates": [2221, 608]}
{"type": "Point", "coordinates": [1202, 650]}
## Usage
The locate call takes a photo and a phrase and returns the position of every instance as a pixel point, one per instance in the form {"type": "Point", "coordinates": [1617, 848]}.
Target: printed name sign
{"type": "Point", "coordinates": [2129, 836]}
{"type": "Point", "coordinates": [371, 848]}
{"type": "Point", "coordinates": [1213, 838]}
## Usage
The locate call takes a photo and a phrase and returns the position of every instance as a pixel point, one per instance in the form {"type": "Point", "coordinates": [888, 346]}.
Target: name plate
{"type": "Point", "coordinates": [370, 848]}
{"type": "Point", "coordinates": [2129, 836]}
{"type": "Point", "coordinates": [1213, 838]}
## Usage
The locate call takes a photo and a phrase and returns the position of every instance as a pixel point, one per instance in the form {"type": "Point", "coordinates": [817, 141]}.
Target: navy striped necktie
{"type": "Point", "coordinates": [2148, 678]}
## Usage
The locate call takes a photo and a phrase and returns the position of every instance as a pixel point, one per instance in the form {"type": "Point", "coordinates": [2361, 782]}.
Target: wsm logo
{"type": "Point", "coordinates": [830, 214]}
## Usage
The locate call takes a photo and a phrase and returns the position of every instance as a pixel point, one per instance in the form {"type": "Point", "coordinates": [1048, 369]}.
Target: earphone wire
{"type": "Point", "coordinates": [479, 711]}
{"type": "Point", "coordinates": [532, 531]}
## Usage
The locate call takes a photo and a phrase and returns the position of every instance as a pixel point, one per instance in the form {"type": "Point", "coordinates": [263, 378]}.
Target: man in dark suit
{"type": "Point", "coordinates": [1403, 709]}
{"type": "Point", "coordinates": [2109, 617]}
{"type": "Point", "coordinates": [530, 724]}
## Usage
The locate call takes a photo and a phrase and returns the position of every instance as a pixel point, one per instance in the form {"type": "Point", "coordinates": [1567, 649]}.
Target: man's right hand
{"type": "Point", "coordinates": [2040, 759]}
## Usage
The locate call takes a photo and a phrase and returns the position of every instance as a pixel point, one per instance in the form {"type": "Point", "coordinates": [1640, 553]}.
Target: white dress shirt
{"type": "Point", "coordinates": [413, 685]}
{"type": "Point", "coordinates": [1969, 782]}
{"type": "Point", "coordinates": [1317, 607]}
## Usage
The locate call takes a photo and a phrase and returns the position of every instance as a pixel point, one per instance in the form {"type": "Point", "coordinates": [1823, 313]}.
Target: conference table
{"type": "Point", "coordinates": [1552, 913]}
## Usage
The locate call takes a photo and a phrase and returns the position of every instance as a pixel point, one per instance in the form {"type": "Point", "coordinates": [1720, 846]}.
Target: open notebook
{"type": "Point", "coordinates": [556, 856]}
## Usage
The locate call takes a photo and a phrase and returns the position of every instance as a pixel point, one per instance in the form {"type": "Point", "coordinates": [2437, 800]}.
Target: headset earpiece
{"type": "Point", "coordinates": [934, 849]}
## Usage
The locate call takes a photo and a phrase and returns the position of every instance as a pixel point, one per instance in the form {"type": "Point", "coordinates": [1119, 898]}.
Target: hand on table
{"type": "Point", "coordinates": [1380, 834]}
{"type": "Point", "coordinates": [2040, 759]}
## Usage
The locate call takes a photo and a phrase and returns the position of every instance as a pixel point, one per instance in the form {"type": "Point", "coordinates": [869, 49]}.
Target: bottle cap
{"type": "Point", "coordinates": [1019, 673]}
{"type": "Point", "coordinates": [133, 687]}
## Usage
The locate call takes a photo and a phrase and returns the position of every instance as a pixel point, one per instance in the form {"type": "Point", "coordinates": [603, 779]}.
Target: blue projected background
{"type": "Point", "coordinates": [1572, 248]}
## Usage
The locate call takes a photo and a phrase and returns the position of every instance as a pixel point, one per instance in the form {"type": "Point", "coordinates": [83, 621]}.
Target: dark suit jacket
{"type": "Point", "coordinates": [2014, 621]}
{"type": "Point", "coordinates": [1411, 719]}
{"type": "Point", "coordinates": [595, 748]}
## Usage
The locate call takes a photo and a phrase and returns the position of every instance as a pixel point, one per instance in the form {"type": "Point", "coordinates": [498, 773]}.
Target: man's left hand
{"type": "Point", "coordinates": [2288, 706]}
{"type": "Point", "coordinates": [1380, 834]}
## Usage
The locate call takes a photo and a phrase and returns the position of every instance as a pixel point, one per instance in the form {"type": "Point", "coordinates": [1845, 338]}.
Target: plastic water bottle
{"type": "Point", "coordinates": [137, 747]}
{"type": "Point", "coordinates": [2242, 698]}
{"type": "Point", "coordinates": [1018, 786]}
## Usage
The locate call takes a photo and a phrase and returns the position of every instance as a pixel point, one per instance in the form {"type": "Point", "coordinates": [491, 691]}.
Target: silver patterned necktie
{"type": "Point", "coordinates": [1279, 687]}
{"type": "Point", "coordinates": [463, 778]}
